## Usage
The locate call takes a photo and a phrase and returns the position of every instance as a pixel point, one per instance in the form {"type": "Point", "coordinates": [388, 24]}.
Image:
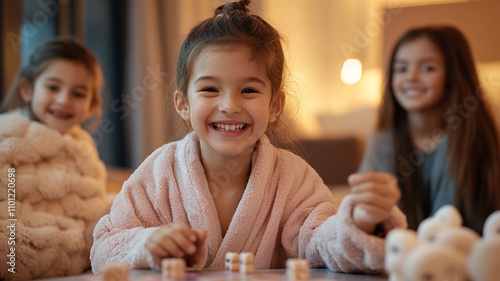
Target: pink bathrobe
{"type": "Point", "coordinates": [286, 212]}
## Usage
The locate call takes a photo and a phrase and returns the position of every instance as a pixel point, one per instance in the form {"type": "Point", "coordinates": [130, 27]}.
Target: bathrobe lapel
{"type": "Point", "coordinates": [196, 196]}
{"type": "Point", "coordinates": [249, 221]}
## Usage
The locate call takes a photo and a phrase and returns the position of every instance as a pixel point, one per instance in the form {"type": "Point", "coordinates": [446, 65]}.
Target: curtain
{"type": "Point", "coordinates": [155, 31]}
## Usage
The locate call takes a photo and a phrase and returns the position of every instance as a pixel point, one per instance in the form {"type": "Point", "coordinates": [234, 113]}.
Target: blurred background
{"type": "Point", "coordinates": [137, 42]}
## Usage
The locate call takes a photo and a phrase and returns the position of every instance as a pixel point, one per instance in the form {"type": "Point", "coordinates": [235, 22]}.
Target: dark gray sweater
{"type": "Point", "coordinates": [380, 156]}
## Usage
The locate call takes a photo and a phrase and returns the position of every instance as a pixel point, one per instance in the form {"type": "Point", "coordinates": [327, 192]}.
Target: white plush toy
{"type": "Point", "coordinates": [491, 227]}
{"type": "Point", "coordinates": [450, 215]}
{"type": "Point", "coordinates": [428, 229]}
{"type": "Point", "coordinates": [460, 238]}
{"type": "Point", "coordinates": [445, 217]}
{"type": "Point", "coordinates": [399, 242]}
{"type": "Point", "coordinates": [433, 262]}
{"type": "Point", "coordinates": [483, 263]}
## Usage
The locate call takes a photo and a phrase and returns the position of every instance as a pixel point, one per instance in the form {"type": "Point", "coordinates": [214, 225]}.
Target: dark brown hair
{"type": "Point", "coordinates": [473, 144]}
{"type": "Point", "coordinates": [59, 48]}
{"type": "Point", "coordinates": [233, 26]}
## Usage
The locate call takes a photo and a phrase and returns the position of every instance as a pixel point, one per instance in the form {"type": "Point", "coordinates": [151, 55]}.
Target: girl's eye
{"type": "Point", "coordinates": [249, 91]}
{"type": "Point", "coordinates": [211, 90]}
{"type": "Point", "coordinates": [52, 88]}
{"type": "Point", "coordinates": [80, 95]}
{"type": "Point", "coordinates": [428, 68]}
{"type": "Point", "coordinates": [400, 69]}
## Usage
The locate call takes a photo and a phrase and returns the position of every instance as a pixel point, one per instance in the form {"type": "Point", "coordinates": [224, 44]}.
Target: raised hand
{"type": "Point", "coordinates": [374, 194]}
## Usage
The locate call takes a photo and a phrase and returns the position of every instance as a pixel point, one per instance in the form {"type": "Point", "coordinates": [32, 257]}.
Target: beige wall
{"type": "Point", "coordinates": [321, 34]}
{"type": "Point", "coordinates": [478, 20]}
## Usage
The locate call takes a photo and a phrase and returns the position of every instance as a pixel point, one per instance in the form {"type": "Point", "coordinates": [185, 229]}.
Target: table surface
{"type": "Point", "coordinates": [270, 275]}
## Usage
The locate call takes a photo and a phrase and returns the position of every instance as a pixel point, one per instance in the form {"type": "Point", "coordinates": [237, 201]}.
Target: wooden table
{"type": "Point", "coordinates": [269, 275]}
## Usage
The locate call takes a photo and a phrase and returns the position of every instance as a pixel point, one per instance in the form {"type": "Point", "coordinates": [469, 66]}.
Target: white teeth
{"type": "Point", "coordinates": [413, 92]}
{"type": "Point", "coordinates": [60, 114]}
{"type": "Point", "coordinates": [228, 127]}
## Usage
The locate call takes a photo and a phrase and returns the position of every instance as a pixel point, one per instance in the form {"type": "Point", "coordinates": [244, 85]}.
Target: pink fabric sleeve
{"type": "Point", "coordinates": [120, 237]}
{"type": "Point", "coordinates": [342, 246]}
{"type": "Point", "coordinates": [314, 229]}
{"type": "Point", "coordinates": [138, 210]}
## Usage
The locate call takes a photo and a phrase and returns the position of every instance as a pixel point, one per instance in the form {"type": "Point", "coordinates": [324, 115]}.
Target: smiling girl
{"type": "Point", "coordinates": [60, 179]}
{"type": "Point", "coordinates": [435, 132]}
{"type": "Point", "coordinates": [225, 187]}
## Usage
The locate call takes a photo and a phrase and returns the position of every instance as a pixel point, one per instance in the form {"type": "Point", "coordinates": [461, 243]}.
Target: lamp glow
{"type": "Point", "coordinates": [351, 71]}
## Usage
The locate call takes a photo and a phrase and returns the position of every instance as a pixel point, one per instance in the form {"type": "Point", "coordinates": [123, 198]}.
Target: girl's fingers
{"type": "Point", "coordinates": [183, 242]}
{"type": "Point", "coordinates": [186, 231]}
{"type": "Point", "coordinates": [156, 250]}
{"type": "Point", "coordinates": [202, 235]}
{"type": "Point", "coordinates": [373, 199]}
{"type": "Point", "coordinates": [369, 215]}
{"type": "Point", "coordinates": [161, 246]}
{"type": "Point", "coordinates": [173, 240]}
{"type": "Point", "coordinates": [387, 190]}
{"type": "Point", "coordinates": [390, 192]}
{"type": "Point", "coordinates": [380, 177]}
{"type": "Point", "coordinates": [172, 248]}
{"type": "Point", "coordinates": [381, 183]}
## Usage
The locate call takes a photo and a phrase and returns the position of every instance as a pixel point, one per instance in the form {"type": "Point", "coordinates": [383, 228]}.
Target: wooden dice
{"type": "Point", "coordinates": [115, 272]}
{"type": "Point", "coordinates": [297, 269]}
{"type": "Point", "coordinates": [173, 268]}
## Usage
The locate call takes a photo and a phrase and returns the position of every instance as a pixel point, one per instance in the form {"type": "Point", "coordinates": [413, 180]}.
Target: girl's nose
{"type": "Point", "coordinates": [229, 103]}
{"type": "Point", "coordinates": [63, 97]}
{"type": "Point", "coordinates": [412, 73]}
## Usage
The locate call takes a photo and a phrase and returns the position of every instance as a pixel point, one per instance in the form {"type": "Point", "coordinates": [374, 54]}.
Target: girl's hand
{"type": "Point", "coordinates": [374, 194]}
{"type": "Point", "coordinates": [175, 240]}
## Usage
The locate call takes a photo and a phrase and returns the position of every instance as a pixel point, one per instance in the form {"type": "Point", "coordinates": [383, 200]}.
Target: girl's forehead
{"type": "Point", "coordinates": [418, 48]}
{"type": "Point", "coordinates": [227, 49]}
{"type": "Point", "coordinates": [66, 68]}
{"type": "Point", "coordinates": [68, 72]}
{"type": "Point", "coordinates": [69, 64]}
{"type": "Point", "coordinates": [420, 44]}
{"type": "Point", "coordinates": [65, 63]}
{"type": "Point", "coordinates": [217, 59]}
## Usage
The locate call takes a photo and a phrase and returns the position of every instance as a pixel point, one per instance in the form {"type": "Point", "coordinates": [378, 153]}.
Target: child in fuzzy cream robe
{"type": "Point", "coordinates": [51, 177]}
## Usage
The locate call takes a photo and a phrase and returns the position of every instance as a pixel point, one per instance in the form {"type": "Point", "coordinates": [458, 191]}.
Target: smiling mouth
{"type": "Point", "coordinates": [413, 92]}
{"type": "Point", "coordinates": [229, 127]}
{"type": "Point", "coordinates": [61, 114]}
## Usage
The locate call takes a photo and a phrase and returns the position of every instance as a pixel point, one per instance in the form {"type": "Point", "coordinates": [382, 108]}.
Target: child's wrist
{"type": "Point", "coordinates": [361, 222]}
{"type": "Point", "coordinates": [366, 227]}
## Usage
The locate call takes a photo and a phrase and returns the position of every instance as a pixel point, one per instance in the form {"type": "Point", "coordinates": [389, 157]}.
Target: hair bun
{"type": "Point", "coordinates": [233, 6]}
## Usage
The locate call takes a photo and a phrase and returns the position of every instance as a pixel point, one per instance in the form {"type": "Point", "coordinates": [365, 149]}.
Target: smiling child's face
{"type": "Point", "coordinates": [229, 101]}
{"type": "Point", "coordinates": [61, 96]}
{"type": "Point", "coordinates": [419, 75]}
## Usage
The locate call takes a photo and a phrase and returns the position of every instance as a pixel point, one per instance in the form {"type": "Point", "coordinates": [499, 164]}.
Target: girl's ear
{"type": "Point", "coordinates": [26, 90]}
{"type": "Point", "coordinates": [276, 106]}
{"type": "Point", "coordinates": [181, 105]}
{"type": "Point", "coordinates": [95, 107]}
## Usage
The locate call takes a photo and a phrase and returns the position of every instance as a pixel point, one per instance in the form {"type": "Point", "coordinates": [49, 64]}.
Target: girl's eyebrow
{"type": "Point", "coordinates": [204, 78]}
{"type": "Point", "coordinates": [424, 59]}
{"type": "Point", "coordinates": [255, 79]}
{"type": "Point", "coordinates": [213, 78]}
{"type": "Point", "coordinates": [55, 79]}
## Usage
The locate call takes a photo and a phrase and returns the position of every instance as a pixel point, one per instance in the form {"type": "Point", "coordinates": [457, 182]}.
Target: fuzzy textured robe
{"type": "Point", "coordinates": [285, 212]}
{"type": "Point", "coordinates": [59, 189]}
